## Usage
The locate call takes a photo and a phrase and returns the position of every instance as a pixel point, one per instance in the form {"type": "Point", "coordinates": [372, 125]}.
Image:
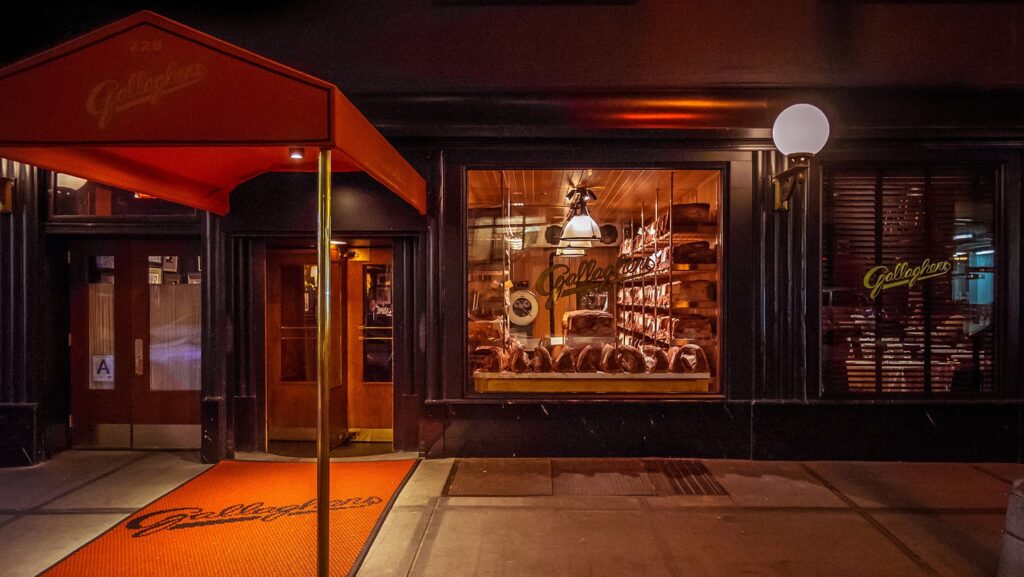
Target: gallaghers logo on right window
{"type": "Point", "coordinates": [881, 277]}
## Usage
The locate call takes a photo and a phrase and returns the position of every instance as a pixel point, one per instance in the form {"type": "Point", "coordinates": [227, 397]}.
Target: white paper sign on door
{"type": "Point", "coordinates": [102, 372]}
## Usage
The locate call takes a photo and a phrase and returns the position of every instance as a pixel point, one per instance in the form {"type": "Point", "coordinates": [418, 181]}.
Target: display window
{"type": "Point", "coordinates": [909, 279]}
{"type": "Point", "coordinates": [594, 281]}
{"type": "Point", "coordinates": [71, 196]}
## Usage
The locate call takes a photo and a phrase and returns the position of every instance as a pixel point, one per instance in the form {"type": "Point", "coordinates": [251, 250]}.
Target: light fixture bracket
{"type": "Point", "coordinates": [786, 183]}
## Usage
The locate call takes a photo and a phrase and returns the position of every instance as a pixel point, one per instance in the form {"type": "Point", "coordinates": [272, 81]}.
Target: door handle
{"type": "Point", "coordinates": [138, 358]}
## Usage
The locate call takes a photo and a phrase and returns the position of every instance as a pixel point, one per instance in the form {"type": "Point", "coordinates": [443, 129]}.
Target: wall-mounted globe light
{"type": "Point", "coordinates": [800, 132]}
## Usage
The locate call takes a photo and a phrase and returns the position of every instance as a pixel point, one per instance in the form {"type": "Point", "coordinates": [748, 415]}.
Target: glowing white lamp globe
{"type": "Point", "coordinates": [581, 227]}
{"type": "Point", "coordinates": [800, 130]}
{"type": "Point", "coordinates": [575, 244]}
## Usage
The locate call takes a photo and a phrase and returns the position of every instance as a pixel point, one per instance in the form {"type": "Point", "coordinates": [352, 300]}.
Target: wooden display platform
{"type": "Point", "coordinates": [592, 382]}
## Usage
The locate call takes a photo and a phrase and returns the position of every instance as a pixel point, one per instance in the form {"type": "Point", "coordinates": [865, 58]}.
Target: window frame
{"type": "Point", "coordinates": [50, 184]}
{"type": "Point", "coordinates": [1006, 240]}
{"type": "Point", "coordinates": [737, 168]}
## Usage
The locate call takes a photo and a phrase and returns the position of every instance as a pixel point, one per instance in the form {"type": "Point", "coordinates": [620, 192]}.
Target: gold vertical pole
{"type": "Point", "coordinates": [323, 365]}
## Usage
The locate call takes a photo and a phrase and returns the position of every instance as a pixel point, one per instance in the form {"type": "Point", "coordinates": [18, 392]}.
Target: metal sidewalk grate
{"type": "Point", "coordinates": [683, 477]}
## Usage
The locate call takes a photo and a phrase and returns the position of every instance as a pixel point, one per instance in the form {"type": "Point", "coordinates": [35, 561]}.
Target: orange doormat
{"type": "Point", "coordinates": [244, 518]}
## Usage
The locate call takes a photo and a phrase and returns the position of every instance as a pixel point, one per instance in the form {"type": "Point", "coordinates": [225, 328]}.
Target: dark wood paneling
{"type": "Point", "coordinates": [22, 299]}
{"type": "Point", "coordinates": [246, 424]}
{"type": "Point", "coordinates": [784, 294]}
{"type": "Point", "coordinates": [732, 430]}
{"type": "Point", "coordinates": [22, 442]}
{"type": "Point", "coordinates": [217, 333]}
{"type": "Point", "coordinates": [409, 355]}
{"type": "Point", "coordinates": [741, 286]}
{"type": "Point", "coordinates": [606, 429]}
{"type": "Point", "coordinates": [21, 252]}
{"type": "Point", "coordinates": [856, 113]}
{"type": "Point", "coordinates": [897, 431]}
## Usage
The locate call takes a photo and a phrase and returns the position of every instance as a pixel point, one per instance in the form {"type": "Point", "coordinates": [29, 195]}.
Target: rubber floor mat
{"type": "Point", "coordinates": [500, 478]}
{"type": "Point", "coordinates": [601, 477]}
{"type": "Point", "coordinates": [244, 518]}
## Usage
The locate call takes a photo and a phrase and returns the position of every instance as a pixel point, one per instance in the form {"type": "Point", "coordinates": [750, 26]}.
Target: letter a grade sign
{"type": "Point", "coordinates": [102, 372]}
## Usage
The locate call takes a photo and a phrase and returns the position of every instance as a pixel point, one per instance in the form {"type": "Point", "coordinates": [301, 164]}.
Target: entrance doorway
{"type": "Point", "coordinates": [362, 390]}
{"type": "Point", "coordinates": [135, 344]}
{"type": "Point", "coordinates": [291, 350]}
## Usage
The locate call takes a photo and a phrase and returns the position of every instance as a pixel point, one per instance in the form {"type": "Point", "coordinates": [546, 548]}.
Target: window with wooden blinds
{"type": "Point", "coordinates": [908, 277]}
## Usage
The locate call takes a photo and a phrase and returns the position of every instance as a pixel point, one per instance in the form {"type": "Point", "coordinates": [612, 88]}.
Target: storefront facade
{"type": "Point", "coordinates": [876, 318]}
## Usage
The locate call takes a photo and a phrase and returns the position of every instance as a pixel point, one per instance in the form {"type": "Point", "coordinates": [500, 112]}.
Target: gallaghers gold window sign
{"type": "Point", "coordinates": [881, 277]}
{"type": "Point", "coordinates": [594, 281]}
{"type": "Point", "coordinates": [909, 280]}
{"type": "Point", "coordinates": [560, 281]}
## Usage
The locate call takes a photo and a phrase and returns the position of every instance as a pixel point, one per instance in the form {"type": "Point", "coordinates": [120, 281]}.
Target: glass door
{"type": "Point", "coordinates": [368, 341]}
{"type": "Point", "coordinates": [291, 314]}
{"type": "Point", "coordinates": [166, 344]}
{"type": "Point", "coordinates": [100, 345]}
{"type": "Point", "coordinates": [135, 344]}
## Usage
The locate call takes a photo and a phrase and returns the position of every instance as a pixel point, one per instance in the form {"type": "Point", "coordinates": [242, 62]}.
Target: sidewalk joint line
{"type": "Point", "coordinates": [917, 559]}
{"type": "Point", "coordinates": [426, 526]}
{"type": "Point", "coordinates": [88, 482]}
{"type": "Point", "coordinates": [646, 512]}
{"type": "Point", "coordinates": [990, 473]}
{"type": "Point", "coordinates": [21, 513]}
{"type": "Point", "coordinates": [73, 511]}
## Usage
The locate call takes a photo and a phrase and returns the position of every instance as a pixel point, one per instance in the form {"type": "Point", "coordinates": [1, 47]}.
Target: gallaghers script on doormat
{"type": "Point", "coordinates": [244, 518]}
{"type": "Point", "coordinates": [196, 517]}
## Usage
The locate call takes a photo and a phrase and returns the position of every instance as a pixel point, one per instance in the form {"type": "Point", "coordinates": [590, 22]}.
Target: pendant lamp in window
{"type": "Point", "coordinates": [580, 226]}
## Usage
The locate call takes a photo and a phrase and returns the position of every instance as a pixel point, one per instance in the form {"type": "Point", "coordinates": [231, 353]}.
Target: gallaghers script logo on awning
{"type": "Point", "coordinates": [881, 278]}
{"type": "Point", "coordinates": [112, 97]}
{"type": "Point", "coordinates": [559, 281]}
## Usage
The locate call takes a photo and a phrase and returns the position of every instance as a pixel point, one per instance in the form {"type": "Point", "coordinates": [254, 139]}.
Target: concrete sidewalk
{"type": "Point", "coordinates": [778, 518]}
{"type": "Point", "coordinates": [51, 509]}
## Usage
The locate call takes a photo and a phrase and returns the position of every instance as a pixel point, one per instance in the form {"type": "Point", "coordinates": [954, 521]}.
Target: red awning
{"type": "Point", "coordinates": [153, 106]}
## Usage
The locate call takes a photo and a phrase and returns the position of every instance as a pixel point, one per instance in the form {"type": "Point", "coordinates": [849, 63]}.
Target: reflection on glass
{"type": "Point", "coordinates": [298, 322]}
{"type": "Point", "coordinates": [378, 315]}
{"type": "Point", "coordinates": [909, 277]}
{"type": "Point", "coordinates": [633, 309]}
{"type": "Point", "coordinates": [73, 196]}
{"type": "Point", "coordinates": [175, 347]}
{"type": "Point", "coordinates": [101, 322]}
